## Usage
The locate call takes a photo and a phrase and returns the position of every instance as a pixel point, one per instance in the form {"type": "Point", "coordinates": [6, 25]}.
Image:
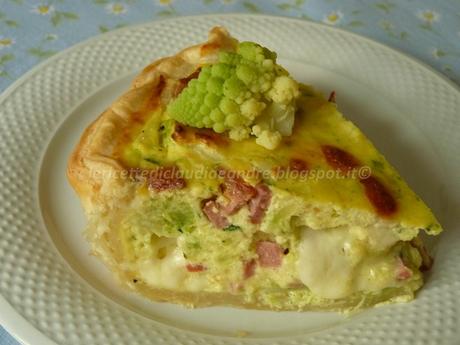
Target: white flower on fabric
{"type": "Point", "coordinates": [43, 10]}
{"type": "Point", "coordinates": [428, 16]}
{"type": "Point", "coordinates": [116, 8]}
{"type": "Point", "coordinates": [6, 42]}
{"type": "Point", "coordinates": [333, 18]}
{"type": "Point", "coordinates": [164, 2]}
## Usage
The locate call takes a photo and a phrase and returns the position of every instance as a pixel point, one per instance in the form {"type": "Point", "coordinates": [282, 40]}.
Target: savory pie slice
{"type": "Point", "coordinates": [217, 179]}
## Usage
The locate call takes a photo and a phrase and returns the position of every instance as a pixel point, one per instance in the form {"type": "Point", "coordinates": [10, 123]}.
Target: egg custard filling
{"type": "Point", "coordinates": [244, 187]}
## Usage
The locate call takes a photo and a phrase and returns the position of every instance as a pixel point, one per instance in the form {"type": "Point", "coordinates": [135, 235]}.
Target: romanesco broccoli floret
{"type": "Point", "coordinates": [245, 93]}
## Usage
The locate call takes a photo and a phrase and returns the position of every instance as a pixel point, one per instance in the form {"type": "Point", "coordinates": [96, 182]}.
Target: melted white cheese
{"type": "Point", "coordinates": [168, 269]}
{"type": "Point", "coordinates": [334, 263]}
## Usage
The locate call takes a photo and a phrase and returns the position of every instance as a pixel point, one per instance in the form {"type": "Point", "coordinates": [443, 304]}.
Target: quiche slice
{"type": "Point", "coordinates": [217, 179]}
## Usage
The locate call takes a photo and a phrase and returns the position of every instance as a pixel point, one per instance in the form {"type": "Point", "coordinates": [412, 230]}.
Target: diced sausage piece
{"type": "Point", "coordinates": [270, 254]}
{"type": "Point", "coordinates": [216, 216]}
{"type": "Point", "coordinates": [402, 271]}
{"type": "Point", "coordinates": [238, 193]}
{"type": "Point", "coordinates": [195, 267]}
{"type": "Point", "coordinates": [259, 204]}
{"type": "Point", "coordinates": [165, 178]}
{"type": "Point", "coordinates": [249, 269]}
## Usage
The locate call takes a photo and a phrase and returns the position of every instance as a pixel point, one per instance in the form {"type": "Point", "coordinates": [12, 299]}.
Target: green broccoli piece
{"type": "Point", "coordinates": [244, 93]}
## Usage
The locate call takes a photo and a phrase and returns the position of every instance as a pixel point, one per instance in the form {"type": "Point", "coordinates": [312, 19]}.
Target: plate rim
{"type": "Point", "coordinates": [13, 321]}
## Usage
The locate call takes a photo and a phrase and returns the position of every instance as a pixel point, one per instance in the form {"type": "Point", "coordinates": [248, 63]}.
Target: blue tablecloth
{"type": "Point", "coordinates": [31, 31]}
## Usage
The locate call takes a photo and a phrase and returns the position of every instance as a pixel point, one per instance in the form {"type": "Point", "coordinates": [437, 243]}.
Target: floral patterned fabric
{"type": "Point", "coordinates": [31, 31]}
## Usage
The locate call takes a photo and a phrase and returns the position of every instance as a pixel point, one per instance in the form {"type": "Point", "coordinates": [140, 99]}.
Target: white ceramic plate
{"type": "Point", "coordinates": [52, 291]}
